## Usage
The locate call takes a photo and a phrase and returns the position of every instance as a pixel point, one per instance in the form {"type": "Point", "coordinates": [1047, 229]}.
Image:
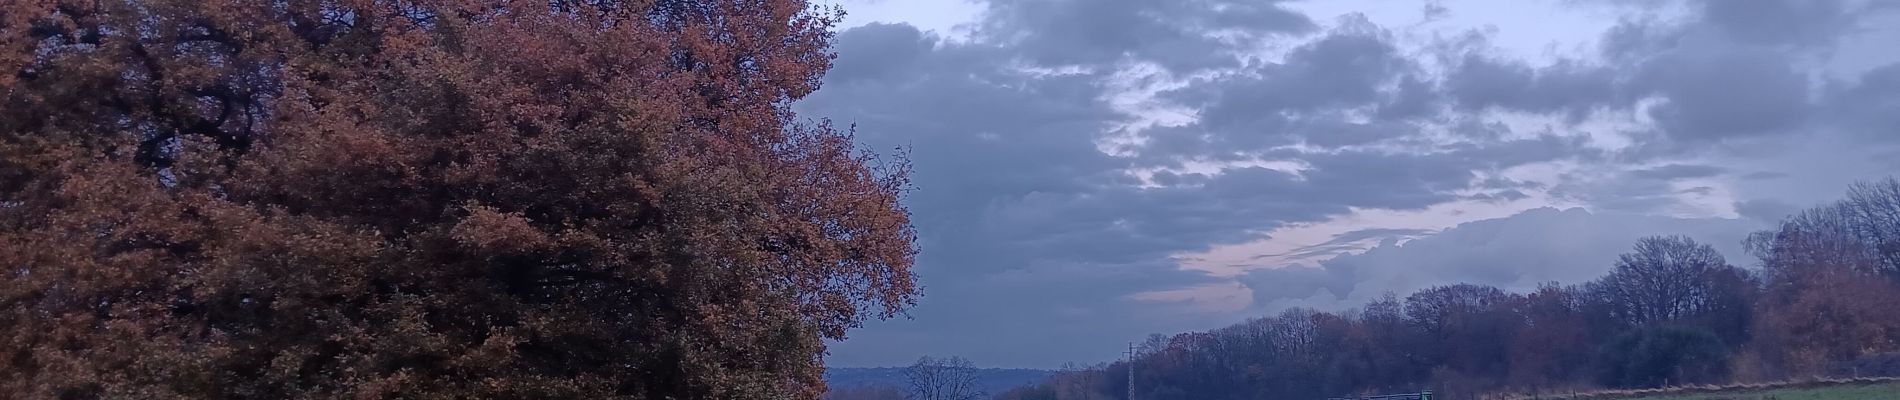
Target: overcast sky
{"type": "Point", "coordinates": [1092, 171]}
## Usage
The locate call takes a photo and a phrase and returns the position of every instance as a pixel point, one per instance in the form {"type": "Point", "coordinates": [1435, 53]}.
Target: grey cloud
{"type": "Point", "coordinates": [1808, 24]}
{"type": "Point", "coordinates": [1649, 4]}
{"type": "Point", "coordinates": [1764, 175]}
{"type": "Point", "coordinates": [1642, 190]}
{"type": "Point", "coordinates": [1415, 98]}
{"type": "Point", "coordinates": [1334, 131]}
{"type": "Point", "coordinates": [1620, 195]}
{"type": "Point", "coordinates": [1678, 171]}
{"type": "Point", "coordinates": [1394, 181]}
{"type": "Point", "coordinates": [1030, 233]}
{"type": "Point", "coordinates": [1765, 210]}
{"type": "Point", "coordinates": [1303, 99]}
{"type": "Point", "coordinates": [1502, 183]}
{"type": "Point", "coordinates": [1503, 196]}
{"type": "Point", "coordinates": [1722, 94]}
{"type": "Point", "coordinates": [878, 52]}
{"type": "Point", "coordinates": [1728, 72]}
{"type": "Point", "coordinates": [1297, 282]}
{"type": "Point", "coordinates": [1435, 10]}
{"type": "Point", "coordinates": [1870, 107]}
{"type": "Point", "coordinates": [1780, 22]}
{"type": "Point", "coordinates": [1499, 154]}
{"type": "Point", "coordinates": [1023, 221]}
{"type": "Point", "coordinates": [1167, 178]}
{"type": "Point", "coordinates": [1568, 86]}
{"type": "Point", "coordinates": [1343, 68]}
{"type": "Point", "coordinates": [1632, 39]}
{"type": "Point", "coordinates": [1181, 35]}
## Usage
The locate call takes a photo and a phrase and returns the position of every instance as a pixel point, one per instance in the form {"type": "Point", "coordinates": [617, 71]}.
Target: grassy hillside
{"type": "Point", "coordinates": [1844, 389]}
{"type": "Point", "coordinates": [1890, 390]}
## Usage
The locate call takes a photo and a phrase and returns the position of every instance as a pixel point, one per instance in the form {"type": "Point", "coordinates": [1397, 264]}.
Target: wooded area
{"type": "Point", "coordinates": [220, 199]}
{"type": "Point", "coordinates": [1671, 312]}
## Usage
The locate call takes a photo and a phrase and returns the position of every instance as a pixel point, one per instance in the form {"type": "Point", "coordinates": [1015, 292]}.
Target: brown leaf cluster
{"type": "Point", "coordinates": [430, 199]}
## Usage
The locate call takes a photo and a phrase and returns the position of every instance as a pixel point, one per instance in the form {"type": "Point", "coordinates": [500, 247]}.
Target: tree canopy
{"type": "Point", "coordinates": [431, 199]}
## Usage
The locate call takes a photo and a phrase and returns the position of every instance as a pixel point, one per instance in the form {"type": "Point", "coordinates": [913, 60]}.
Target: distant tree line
{"type": "Point", "coordinates": [930, 378]}
{"type": "Point", "coordinates": [1671, 312]}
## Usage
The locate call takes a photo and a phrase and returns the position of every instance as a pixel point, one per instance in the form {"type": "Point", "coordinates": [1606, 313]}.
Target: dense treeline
{"type": "Point", "coordinates": [1820, 301]}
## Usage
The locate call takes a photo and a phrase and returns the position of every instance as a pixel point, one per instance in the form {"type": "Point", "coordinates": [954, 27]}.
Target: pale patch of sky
{"type": "Point", "coordinates": [1532, 29]}
{"type": "Point", "coordinates": [948, 18]}
{"type": "Point", "coordinates": [1236, 259]}
{"type": "Point", "coordinates": [1212, 298]}
{"type": "Point", "coordinates": [1871, 48]}
{"type": "Point", "coordinates": [1290, 247]}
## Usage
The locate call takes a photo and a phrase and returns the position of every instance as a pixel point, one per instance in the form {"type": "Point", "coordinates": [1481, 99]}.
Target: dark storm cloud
{"type": "Point", "coordinates": [1180, 35]}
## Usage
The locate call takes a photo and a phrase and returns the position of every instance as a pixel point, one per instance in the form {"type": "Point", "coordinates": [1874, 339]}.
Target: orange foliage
{"type": "Point", "coordinates": [430, 199]}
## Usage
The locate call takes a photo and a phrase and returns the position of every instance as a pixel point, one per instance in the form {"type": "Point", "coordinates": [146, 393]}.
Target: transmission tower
{"type": "Point", "coordinates": [1131, 370]}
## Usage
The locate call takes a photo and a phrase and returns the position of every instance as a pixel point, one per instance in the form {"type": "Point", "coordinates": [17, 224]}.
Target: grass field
{"type": "Point", "coordinates": [1874, 391]}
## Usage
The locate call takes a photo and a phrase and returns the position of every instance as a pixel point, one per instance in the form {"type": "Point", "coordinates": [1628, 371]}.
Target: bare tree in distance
{"type": "Point", "coordinates": [947, 378]}
{"type": "Point", "coordinates": [1875, 209]}
{"type": "Point", "coordinates": [1664, 279]}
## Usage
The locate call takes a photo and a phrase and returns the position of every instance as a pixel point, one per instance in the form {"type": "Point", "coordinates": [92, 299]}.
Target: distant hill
{"type": "Point", "coordinates": [992, 380]}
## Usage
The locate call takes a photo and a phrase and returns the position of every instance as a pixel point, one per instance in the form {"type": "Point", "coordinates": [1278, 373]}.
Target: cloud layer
{"type": "Point", "coordinates": [1093, 171]}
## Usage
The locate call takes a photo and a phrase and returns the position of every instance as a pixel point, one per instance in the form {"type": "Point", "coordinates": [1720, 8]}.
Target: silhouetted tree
{"type": "Point", "coordinates": [949, 378]}
{"type": "Point", "coordinates": [1875, 209]}
{"type": "Point", "coordinates": [430, 199]}
{"type": "Point", "coordinates": [1824, 300]}
{"type": "Point", "coordinates": [1666, 278]}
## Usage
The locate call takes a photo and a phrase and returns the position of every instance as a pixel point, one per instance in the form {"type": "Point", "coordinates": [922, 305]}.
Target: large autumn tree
{"type": "Point", "coordinates": [430, 199]}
